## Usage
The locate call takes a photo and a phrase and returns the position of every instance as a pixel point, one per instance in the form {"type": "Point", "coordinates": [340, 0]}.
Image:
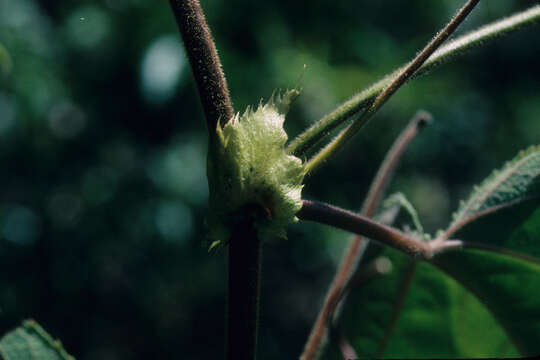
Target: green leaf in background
{"type": "Point", "coordinates": [31, 342]}
{"type": "Point", "coordinates": [5, 61]}
{"type": "Point", "coordinates": [507, 285]}
{"type": "Point", "coordinates": [419, 312]}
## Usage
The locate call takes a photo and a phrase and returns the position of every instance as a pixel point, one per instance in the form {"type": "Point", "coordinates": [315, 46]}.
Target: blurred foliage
{"type": "Point", "coordinates": [103, 147]}
{"type": "Point", "coordinates": [31, 342]}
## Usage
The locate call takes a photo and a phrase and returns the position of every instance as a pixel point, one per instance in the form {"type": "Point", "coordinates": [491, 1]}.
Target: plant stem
{"type": "Point", "coordinates": [454, 48]}
{"type": "Point", "coordinates": [244, 288]}
{"type": "Point", "coordinates": [358, 244]}
{"type": "Point", "coordinates": [396, 83]}
{"type": "Point", "coordinates": [204, 62]}
{"type": "Point", "coordinates": [361, 225]}
{"type": "Point", "coordinates": [390, 162]}
{"type": "Point", "coordinates": [244, 246]}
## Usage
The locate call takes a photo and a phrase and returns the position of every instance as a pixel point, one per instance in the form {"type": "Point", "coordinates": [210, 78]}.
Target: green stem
{"type": "Point", "coordinates": [396, 83]}
{"type": "Point", "coordinates": [444, 54]}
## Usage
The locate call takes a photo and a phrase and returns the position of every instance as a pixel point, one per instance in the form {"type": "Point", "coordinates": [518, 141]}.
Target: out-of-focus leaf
{"type": "Point", "coordinates": [507, 285]}
{"type": "Point", "coordinates": [31, 342]}
{"type": "Point", "coordinates": [419, 312]}
{"type": "Point", "coordinates": [5, 61]}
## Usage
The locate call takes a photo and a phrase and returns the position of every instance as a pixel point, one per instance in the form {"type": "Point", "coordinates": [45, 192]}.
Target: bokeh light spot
{"type": "Point", "coordinates": [21, 225]}
{"type": "Point", "coordinates": [181, 170]}
{"type": "Point", "coordinates": [161, 67]}
{"type": "Point", "coordinates": [174, 221]}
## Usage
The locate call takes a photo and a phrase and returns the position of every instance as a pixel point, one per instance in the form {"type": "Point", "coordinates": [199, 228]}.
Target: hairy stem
{"type": "Point", "coordinates": [244, 246]}
{"type": "Point", "coordinates": [358, 244]}
{"type": "Point", "coordinates": [204, 62]}
{"type": "Point", "coordinates": [444, 54]}
{"type": "Point", "coordinates": [396, 83]}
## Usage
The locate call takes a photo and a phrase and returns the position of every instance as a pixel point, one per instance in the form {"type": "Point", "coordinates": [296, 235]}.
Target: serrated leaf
{"type": "Point", "coordinates": [419, 312]}
{"type": "Point", "coordinates": [516, 182]}
{"type": "Point", "coordinates": [507, 285]}
{"type": "Point", "coordinates": [248, 166]}
{"type": "Point", "coordinates": [31, 342]}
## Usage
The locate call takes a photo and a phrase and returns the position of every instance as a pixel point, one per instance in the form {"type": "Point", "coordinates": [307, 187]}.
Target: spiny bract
{"type": "Point", "coordinates": [247, 165]}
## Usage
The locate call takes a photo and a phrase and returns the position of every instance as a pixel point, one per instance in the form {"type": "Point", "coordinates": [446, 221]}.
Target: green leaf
{"type": "Point", "coordinates": [419, 312]}
{"type": "Point", "coordinates": [31, 342]}
{"type": "Point", "coordinates": [247, 166]}
{"type": "Point", "coordinates": [517, 183]}
{"type": "Point", "coordinates": [508, 286]}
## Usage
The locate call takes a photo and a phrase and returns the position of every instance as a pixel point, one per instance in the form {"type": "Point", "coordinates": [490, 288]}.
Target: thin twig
{"type": "Point", "coordinates": [390, 162]}
{"type": "Point", "coordinates": [397, 82]}
{"type": "Point", "coordinates": [358, 244]}
{"type": "Point", "coordinates": [204, 61]}
{"type": "Point", "coordinates": [454, 48]}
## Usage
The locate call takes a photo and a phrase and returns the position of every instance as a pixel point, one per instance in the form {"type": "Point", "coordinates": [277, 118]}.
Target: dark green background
{"type": "Point", "coordinates": [102, 155]}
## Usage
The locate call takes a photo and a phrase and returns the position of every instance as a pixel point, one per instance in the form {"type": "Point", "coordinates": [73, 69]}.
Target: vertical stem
{"type": "Point", "coordinates": [244, 287]}
{"type": "Point", "coordinates": [244, 245]}
{"type": "Point", "coordinates": [204, 62]}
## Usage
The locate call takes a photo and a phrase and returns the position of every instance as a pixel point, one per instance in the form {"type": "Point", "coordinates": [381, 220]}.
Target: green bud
{"type": "Point", "coordinates": [248, 166]}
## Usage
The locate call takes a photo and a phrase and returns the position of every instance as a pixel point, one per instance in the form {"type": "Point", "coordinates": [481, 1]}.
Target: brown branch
{"type": "Point", "coordinates": [391, 160]}
{"type": "Point", "coordinates": [361, 225]}
{"type": "Point", "coordinates": [358, 244]}
{"type": "Point", "coordinates": [204, 61]}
